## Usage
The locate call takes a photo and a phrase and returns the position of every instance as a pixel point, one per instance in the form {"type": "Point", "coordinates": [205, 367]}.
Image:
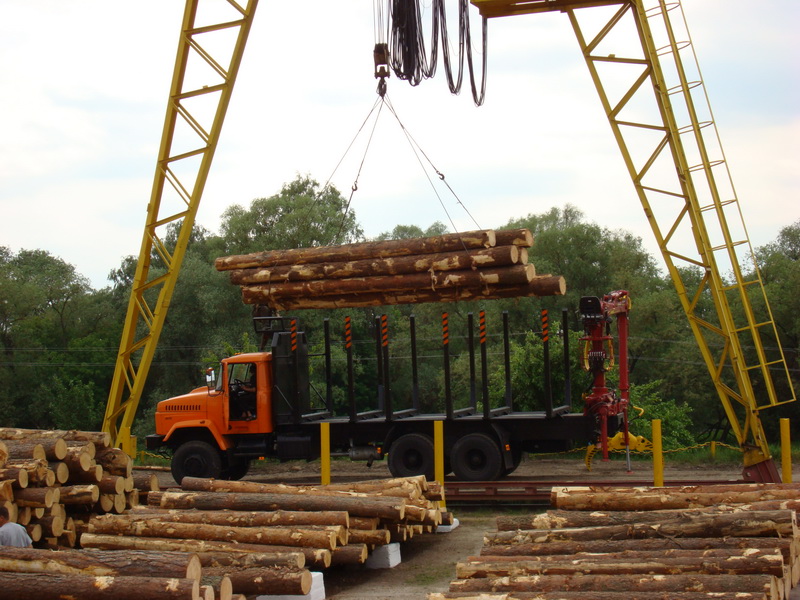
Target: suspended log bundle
{"type": "Point", "coordinates": [740, 542]}
{"type": "Point", "coordinates": [474, 265]}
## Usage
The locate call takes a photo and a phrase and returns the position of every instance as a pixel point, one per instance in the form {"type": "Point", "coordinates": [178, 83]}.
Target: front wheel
{"type": "Point", "coordinates": [477, 457]}
{"type": "Point", "coordinates": [196, 459]}
{"type": "Point", "coordinates": [411, 454]}
{"type": "Point", "coordinates": [237, 468]}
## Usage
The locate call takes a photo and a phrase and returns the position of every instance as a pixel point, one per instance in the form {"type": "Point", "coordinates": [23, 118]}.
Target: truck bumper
{"type": "Point", "coordinates": [153, 442]}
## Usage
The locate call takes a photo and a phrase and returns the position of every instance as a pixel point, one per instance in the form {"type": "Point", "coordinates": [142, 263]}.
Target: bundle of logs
{"type": "Point", "coordinates": [737, 541]}
{"type": "Point", "coordinates": [51, 481]}
{"type": "Point", "coordinates": [474, 265]}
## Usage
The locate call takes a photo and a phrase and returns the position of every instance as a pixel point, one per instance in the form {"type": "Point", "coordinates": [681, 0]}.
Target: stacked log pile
{"type": "Point", "coordinates": [717, 541]}
{"type": "Point", "coordinates": [475, 265]}
{"type": "Point", "coordinates": [324, 526]}
{"type": "Point", "coordinates": [51, 481]}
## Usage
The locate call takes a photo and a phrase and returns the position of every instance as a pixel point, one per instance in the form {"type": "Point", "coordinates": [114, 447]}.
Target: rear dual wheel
{"type": "Point", "coordinates": [477, 457]}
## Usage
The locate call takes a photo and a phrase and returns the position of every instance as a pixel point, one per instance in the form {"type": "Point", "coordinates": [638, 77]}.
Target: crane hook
{"type": "Point", "coordinates": [380, 55]}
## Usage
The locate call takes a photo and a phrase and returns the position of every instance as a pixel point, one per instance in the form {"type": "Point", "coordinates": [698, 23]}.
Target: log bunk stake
{"type": "Point", "coordinates": [737, 541]}
{"type": "Point", "coordinates": [475, 265]}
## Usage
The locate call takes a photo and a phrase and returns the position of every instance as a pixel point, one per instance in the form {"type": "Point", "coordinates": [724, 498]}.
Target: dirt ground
{"type": "Point", "coordinates": [428, 561]}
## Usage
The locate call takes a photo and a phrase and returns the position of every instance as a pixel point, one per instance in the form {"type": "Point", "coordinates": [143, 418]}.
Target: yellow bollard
{"type": "Point", "coordinates": [658, 455]}
{"type": "Point", "coordinates": [713, 450]}
{"type": "Point", "coordinates": [786, 451]}
{"type": "Point", "coordinates": [438, 454]}
{"type": "Point", "coordinates": [325, 452]}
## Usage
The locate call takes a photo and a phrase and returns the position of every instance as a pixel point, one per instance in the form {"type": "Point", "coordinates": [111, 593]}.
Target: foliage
{"type": "Point", "coordinates": [676, 417]}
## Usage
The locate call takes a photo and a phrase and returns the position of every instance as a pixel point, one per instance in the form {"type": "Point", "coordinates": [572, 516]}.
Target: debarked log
{"type": "Point", "coordinates": [498, 256]}
{"type": "Point", "coordinates": [284, 536]}
{"type": "Point", "coordinates": [539, 286]}
{"type": "Point", "coordinates": [240, 518]}
{"type": "Point", "coordinates": [386, 508]}
{"type": "Point", "coordinates": [382, 249]}
{"type": "Point", "coordinates": [505, 276]}
{"type": "Point", "coordinates": [250, 560]}
{"type": "Point", "coordinates": [51, 586]}
{"type": "Point", "coordinates": [270, 580]}
{"type": "Point", "coordinates": [765, 564]}
{"type": "Point", "coordinates": [768, 584]}
{"type": "Point", "coordinates": [181, 565]}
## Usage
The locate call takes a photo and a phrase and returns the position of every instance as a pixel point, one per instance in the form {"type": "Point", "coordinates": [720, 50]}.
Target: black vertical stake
{"type": "Point", "coordinates": [387, 394]}
{"type": "Point", "coordinates": [473, 395]}
{"type": "Point", "coordinates": [348, 346]}
{"type": "Point", "coordinates": [379, 362]}
{"type": "Point", "coordinates": [328, 370]}
{"type": "Point", "coordinates": [507, 359]}
{"type": "Point", "coordinates": [567, 374]}
{"type": "Point", "coordinates": [296, 414]}
{"type": "Point", "coordinates": [448, 397]}
{"type": "Point", "coordinates": [484, 364]}
{"type": "Point", "coordinates": [548, 376]}
{"type": "Point", "coordinates": [412, 324]}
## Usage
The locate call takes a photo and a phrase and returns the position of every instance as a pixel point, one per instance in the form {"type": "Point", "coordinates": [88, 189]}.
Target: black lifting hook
{"type": "Point", "coordinates": [380, 54]}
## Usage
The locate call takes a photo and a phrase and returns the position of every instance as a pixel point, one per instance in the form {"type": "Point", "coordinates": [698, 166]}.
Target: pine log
{"type": "Point", "coordinates": [79, 494]}
{"type": "Point", "coordinates": [93, 475]}
{"type": "Point", "coordinates": [34, 531]}
{"type": "Point", "coordinates": [368, 507]}
{"type": "Point", "coordinates": [494, 546]}
{"type": "Point", "coordinates": [3, 453]}
{"type": "Point", "coordinates": [52, 525]}
{"type": "Point", "coordinates": [611, 595]}
{"type": "Point", "coordinates": [131, 499]}
{"type": "Point", "coordinates": [271, 580]}
{"type": "Point", "coordinates": [539, 286]}
{"type": "Point", "coordinates": [383, 249]}
{"type": "Point", "coordinates": [771, 564]}
{"type": "Point", "coordinates": [98, 437]}
{"type": "Point", "coordinates": [599, 498]}
{"type": "Point", "coordinates": [69, 536]}
{"type": "Point", "coordinates": [220, 585]}
{"type": "Point", "coordinates": [181, 565]}
{"type": "Point", "coordinates": [749, 524]}
{"type": "Point", "coordinates": [498, 256]}
{"type": "Point", "coordinates": [365, 523]}
{"type": "Point", "coordinates": [284, 536]}
{"type": "Point", "coordinates": [694, 555]}
{"type": "Point", "coordinates": [35, 497]}
{"type": "Point", "coordinates": [52, 586]}
{"type": "Point", "coordinates": [78, 460]}
{"type": "Point", "coordinates": [23, 450]}
{"type": "Point", "coordinates": [317, 558]}
{"type": "Point", "coordinates": [114, 461]}
{"type": "Point", "coordinates": [12, 508]}
{"type": "Point", "coordinates": [377, 537]}
{"type": "Point", "coordinates": [250, 560]}
{"type": "Point", "coordinates": [246, 518]}
{"type": "Point", "coordinates": [111, 484]}
{"type": "Point", "coordinates": [23, 515]}
{"type": "Point", "coordinates": [89, 447]}
{"type": "Point", "coordinates": [146, 482]}
{"type": "Point", "coordinates": [520, 275]}
{"type": "Point", "coordinates": [60, 471]}
{"type": "Point", "coordinates": [351, 554]}
{"type": "Point", "coordinates": [767, 584]}
{"type": "Point", "coordinates": [105, 503]}
{"type": "Point", "coordinates": [37, 469]}
{"type": "Point", "coordinates": [18, 476]}
{"type": "Point", "coordinates": [517, 237]}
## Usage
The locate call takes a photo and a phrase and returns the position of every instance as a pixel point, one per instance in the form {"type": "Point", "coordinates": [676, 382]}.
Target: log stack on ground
{"type": "Point", "coordinates": [721, 541]}
{"type": "Point", "coordinates": [53, 480]}
{"type": "Point", "coordinates": [474, 265]}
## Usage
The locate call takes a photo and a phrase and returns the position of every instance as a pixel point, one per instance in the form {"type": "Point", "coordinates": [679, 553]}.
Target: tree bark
{"type": "Point", "coordinates": [765, 564]}
{"type": "Point", "coordinates": [78, 460]}
{"type": "Point", "coordinates": [35, 497]}
{"type": "Point", "coordinates": [146, 482]}
{"type": "Point", "coordinates": [376, 537]}
{"type": "Point", "coordinates": [388, 248]}
{"type": "Point", "coordinates": [695, 555]}
{"type": "Point", "coordinates": [115, 461]}
{"type": "Point", "coordinates": [498, 256]}
{"type": "Point", "coordinates": [540, 285]}
{"type": "Point", "coordinates": [251, 560]}
{"type": "Point", "coordinates": [352, 554]}
{"type": "Point", "coordinates": [97, 437]}
{"type": "Point", "coordinates": [517, 237]}
{"type": "Point", "coordinates": [271, 580]}
{"type": "Point", "coordinates": [562, 595]}
{"type": "Point", "coordinates": [632, 499]}
{"type": "Point", "coordinates": [284, 536]}
{"type": "Point", "coordinates": [367, 507]}
{"type": "Point", "coordinates": [111, 484]}
{"type": "Point", "coordinates": [32, 449]}
{"type": "Point", "coordinates": [516, 275]}
{"type": "Point", "coordinates": [245, 518]}
{"type": "Point", "coordinates": [623, 583]}
{"type": "Point", "coordinates": [52, 526]}
{"type": "Point", "coordinates": [750, 524]}
{"type": "Point", "coordinates": [79, 494]}
{"type": "Point", "coordinates": [37, 469]}
{"type": "Point", "coordinates": [51, 586]}
{"type": "Point", "coordinates": [181, 565]}
{"type": "Point", "coordinates": [18, 476]}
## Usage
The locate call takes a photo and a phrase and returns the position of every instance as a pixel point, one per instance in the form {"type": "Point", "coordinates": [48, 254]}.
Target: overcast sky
{"type": "Point", "coordinates": [84, 88]}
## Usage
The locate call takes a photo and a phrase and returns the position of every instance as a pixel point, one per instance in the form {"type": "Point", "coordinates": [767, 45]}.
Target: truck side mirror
{"type": "Point", "coordinates": [210, 379]}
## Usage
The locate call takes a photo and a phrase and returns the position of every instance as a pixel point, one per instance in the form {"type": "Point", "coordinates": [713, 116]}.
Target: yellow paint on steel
{"type": "Point", "coordinates": [658, 454]}
{"type": "Point", "coordinates": [325, 453]}
{"type": "Point", "coordinates": [180, 177]}
{"type": "Point", "coordinates": [438, 454]}
{"type": "Point", "coordinates": [786, 451]}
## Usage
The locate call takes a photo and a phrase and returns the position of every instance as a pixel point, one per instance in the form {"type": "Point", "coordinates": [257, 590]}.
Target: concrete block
{"type": "Point", "coordinates": [317, 590]}
{"type": "Point", "coordinates": [448, 528]}
{"type": "Point", "coordinates": [384, 557]}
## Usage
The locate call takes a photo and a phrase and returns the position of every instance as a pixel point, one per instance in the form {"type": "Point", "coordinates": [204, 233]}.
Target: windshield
{"type": "Point", "coordinates": [218, 387]}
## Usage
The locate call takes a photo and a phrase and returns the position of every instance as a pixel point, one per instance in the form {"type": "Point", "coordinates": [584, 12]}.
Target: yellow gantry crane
{"type": "Point", "coordinates": [655, 100]}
